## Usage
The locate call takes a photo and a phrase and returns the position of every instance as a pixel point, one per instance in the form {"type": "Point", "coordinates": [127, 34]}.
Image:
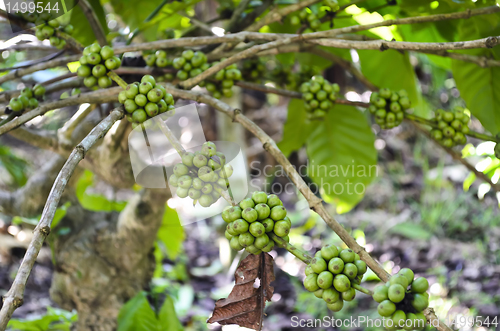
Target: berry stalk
{"type": "Point", "coordinates": [301, 255]}
{"type": "Point", "coordinates": [361, 289]}
{"type": "Point", "coordinates": [123, 84]}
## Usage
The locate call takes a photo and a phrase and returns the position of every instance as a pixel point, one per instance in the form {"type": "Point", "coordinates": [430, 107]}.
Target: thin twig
{"type": "Point", "coordinates": [66, 131]}
{"type": "Point", "coordinates": [63, 61]}
{"type": "Point", "coordinates": [481, 61]}
{"type": "Point", "coordinates": [100, 96]}
{"type": "Point", "coordinates": [29, 47]}
{"type": "Point", "coordinates": [408, 20]}
{"type": "Point", "coordinates": [383, 45]}
{"type": "Point", "coordinates": [237, 14]}
{"type": "Point", "coordinates": [268, 89]}
{"type": "Point", "coordinates": [94, 22]}
{"type": "Point", "coordinates": [32, 63]}
{"type": "Point", "coordinates": [14, 297]}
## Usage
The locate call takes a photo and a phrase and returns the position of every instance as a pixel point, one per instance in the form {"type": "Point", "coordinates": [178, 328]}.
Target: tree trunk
{"type": "Point", "coordinates": [105, 259]}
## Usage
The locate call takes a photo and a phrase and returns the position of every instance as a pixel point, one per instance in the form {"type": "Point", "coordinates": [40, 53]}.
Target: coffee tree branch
{"type": "Point", "coordinates": [99, 96]}
{"type": "Point", "coordinates": [14, 297]}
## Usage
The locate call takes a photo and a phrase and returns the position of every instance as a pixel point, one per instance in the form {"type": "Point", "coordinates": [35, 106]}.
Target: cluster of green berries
{"type": "Point", "coordinates": [331, 273]}
{"type": "Point", "coordinates": [48, 27]}
{"type": "Point", "coordinates": [254, 70]}
{"type": "Point", "coordinates": [388, 107]}
{"type": "Point", "coordinates": [28, 99]}
{"type": "Point", "coordinates": [283, 76]}
{"type": "Point", "coordinates": [452, 126]}
{"type": "Point", "coordinates": [307, 17]}
{"type": "Point", "coordinates": [223, 81]}
{"type": "Point", "coordinates": [301, 76]}
{"type": "Point", "coordinates": [159, 59]}
{"type": "Point", "coordinates": [251, 223]}
{"type": "Point", "coordinates": [67, 94]}
{"type": "Point", "coordinates": [402, 299]}
{"type": "Point", "coordinates": [202, 175]}
{"type": "Point", "coordinates": [312, 20]}
{"type": "Point", "coordinates": [145, 100]}
{"type": "Point", "coordinates": [319, 96]}
{"type": "Point", "coordinates": [95, 63]}
{"type": "Point", "coordinates": [190, 64]}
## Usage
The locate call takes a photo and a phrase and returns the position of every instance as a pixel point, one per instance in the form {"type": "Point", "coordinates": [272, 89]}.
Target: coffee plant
{"type": "Point", "coordinates": [344, 70]}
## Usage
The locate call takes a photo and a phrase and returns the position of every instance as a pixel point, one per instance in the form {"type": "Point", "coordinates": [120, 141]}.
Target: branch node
{"type": "Point", "coordinates": [81, 149]}
{"type": "Point", "coordinates": [491, 42]}
{"type": "Point", "coordinates": [236, 112]}
{"type": "Point", "coordinates": [17, 302]}
{"type": "Point", "coordinates": [314, 203]}
{"type": "Point", "coordinates": [45, 230]}
{"type": "Point", "coordinates": [384, 47]}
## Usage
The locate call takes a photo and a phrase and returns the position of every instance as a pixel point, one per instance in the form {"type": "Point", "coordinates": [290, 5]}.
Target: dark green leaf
{"type": "Point", "coordinates": [82, 30]}
{"type": "Point", "coordinates": [479, 86]}
{"type": "Point", "coordinates": [411, 231]}
{"type": "Point", "coordinates": [171, 232]}
{"type": "Point", "coordinates": [168, 317]}
{"type": "Point", "coordinates": [342, 156]}
{"type": "Point", "coordinates": [137, 314]}
{"type": "Point", "coordinates": [296, 129]}
{"type": "Point", "coordinates": [15, 166]}
{"type": "Point", "coordinates": [94, 202]}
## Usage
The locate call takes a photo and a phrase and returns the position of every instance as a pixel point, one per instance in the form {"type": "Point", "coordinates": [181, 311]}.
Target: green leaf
{"type": "Point", "coordinates": [54, 320]}
{"type": "Point", "coordinates": [342, 156]}
{"type": "Point", "coordinates": [137, 314]}
{"type": "Point", "coordinates": [393, 70]}
{"type": "Point", "coordinates": [168, 317]}
{"type": "Point", "coordinates": [94, 202]}
{"type": "Point", "coordinates": [58, 216]}
{"type": "Point", "coordinates": [15, 166]}
{"type": "Point", "coordinates": [297, 129]}
{"type": "Point", "coordinates": [134, 13]}
{"type": "Point", "coordinates": [171, 232]}
{"type": "Point", "coordinates": [82, 30]}
{"type": "Point", "coordinates": [471, 178]}
{"type": "Point", "coordinates": [411, 231]}
{"type": "Point", "coordinates": [479, 86]}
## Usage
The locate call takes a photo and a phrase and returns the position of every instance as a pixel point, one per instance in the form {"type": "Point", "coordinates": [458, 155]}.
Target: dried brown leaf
{"type": "Point", "coordinates": [245, 304]}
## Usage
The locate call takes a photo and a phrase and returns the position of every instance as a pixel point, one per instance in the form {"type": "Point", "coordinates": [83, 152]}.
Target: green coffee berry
{"type": "Point", "coordinates": [246, 203]}
{"type": "Point", "coordinates": [386, 308]}
{"type": "Point", "coordinates": [396, 293]}
{"type": "Point", "coordinates": [325, 279]}
{"type": "Point", "coordinates": [341, 283]}
{"type": "Point", "coordinates": [310, 283]}
{"type": "Point", "coordinates": [336, 265]}
{"type": "Point", "coordinates": [419, 285]}
{"type": "Point", "coordinates": [257, 229]}
{"type": "Point", "coordinates": [381, 293]}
